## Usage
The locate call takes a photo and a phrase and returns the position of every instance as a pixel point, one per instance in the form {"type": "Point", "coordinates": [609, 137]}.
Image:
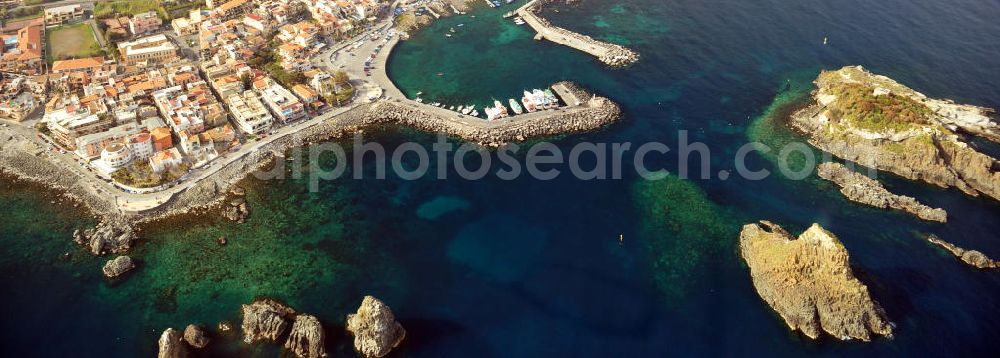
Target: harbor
{"type": "Point", "coordinates": [610, 54]}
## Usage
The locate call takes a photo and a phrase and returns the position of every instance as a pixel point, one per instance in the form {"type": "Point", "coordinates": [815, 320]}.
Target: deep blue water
{"type": "Point", "coordinates": [531, 268]}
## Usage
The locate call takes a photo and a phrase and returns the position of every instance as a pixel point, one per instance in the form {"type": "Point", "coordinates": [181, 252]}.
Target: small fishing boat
{"type": "Point", "coordinates": [468, 109]}
{"type": "Point", "coordinates": [515, 106]}
{"type": "Point", "coordinates": [419, 100]}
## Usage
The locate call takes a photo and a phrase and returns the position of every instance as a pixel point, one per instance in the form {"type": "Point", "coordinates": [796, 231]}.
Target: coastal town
{"type": "Point", "coordinates": [141, 108]}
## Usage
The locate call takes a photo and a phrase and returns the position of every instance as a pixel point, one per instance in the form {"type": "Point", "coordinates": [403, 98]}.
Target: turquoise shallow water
{"type": "Point", "coordinates": [530, 268]}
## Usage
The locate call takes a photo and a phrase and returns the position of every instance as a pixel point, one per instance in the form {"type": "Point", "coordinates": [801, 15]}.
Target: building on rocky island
{"type": "Point", "coordinates": [144, 23]}
{"type": "Point", "coordinates": [280, 101]}
{"type": "Point", "coordinates": [63, 14]}
{"type": "Point", "coordinates": [250, 115]}
{"type": "Point", "coordinates": [25, 55]}
{"type": "Point", "coordinates": [148, 50]}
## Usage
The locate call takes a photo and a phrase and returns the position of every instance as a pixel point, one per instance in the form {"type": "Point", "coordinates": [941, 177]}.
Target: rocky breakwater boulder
{"type": "Point", "coordinates": [113, 236]}
{"type": "Point", "coordinates": [879, 123]}
{"type": "Point", "coordinates": [868, 191]}
{"type": "Point", "coordinates": [118, 266]}
{"type": "Point", "coordinates": [307, 339]}
{"type": "Point", "coordinates": [265, 320]}
{"type": "Point", "coordinates": [237, 209]}
{"type": "Point", "coordinates": [808, 281]}
{"type": "Point", "coordinates": [618, 56]}
{"type": "Point", "coordinates": [172, 345]}
{"type": "Point", "coordinates": [969, 257]}
{"type": "Point", "coordinates": [375, 329]}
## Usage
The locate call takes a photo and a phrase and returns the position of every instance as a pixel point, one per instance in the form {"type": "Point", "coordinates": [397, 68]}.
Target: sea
{"type": "Point", "coordinates": [517, 267]}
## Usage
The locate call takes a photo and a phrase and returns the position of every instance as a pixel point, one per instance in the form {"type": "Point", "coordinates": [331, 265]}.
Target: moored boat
{"type": "Point", "coordinates": [515, 106]}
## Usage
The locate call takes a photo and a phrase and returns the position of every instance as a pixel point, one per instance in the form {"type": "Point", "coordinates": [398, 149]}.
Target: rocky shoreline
{"type": "Point", "coordinates": [808, 281]}
{"type": "Point", "coordinates": [914, 137]}
{"type": "Point", "coordinates": [19, 156]}
{"type": "Point", "coordinates": [608, 53]}
{"type": "Point", "coordinates": [868, 191]}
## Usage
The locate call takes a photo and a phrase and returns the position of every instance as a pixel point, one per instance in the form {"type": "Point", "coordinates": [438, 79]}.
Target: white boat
{"type": "Point", "coordinates": [475, 113]}
{"type": "Point", "coordinates": [529, 102]}
{"type": "Point", "coordinates": [499, 106]}
{"type": "Point", "coordinates": [468, 109]}
{"type": "Point", "coordinates": [452, 108]}
{"type": "Point", "coordinates": [419, 93]}
{"type": "Point", "coordinates": [515, 106]}
{"type": "Point", "coordinates": [420, 100]}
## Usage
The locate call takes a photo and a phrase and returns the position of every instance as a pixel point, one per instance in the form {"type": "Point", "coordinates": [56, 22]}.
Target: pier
{"type": "Point", "coordinates": [608, 53]}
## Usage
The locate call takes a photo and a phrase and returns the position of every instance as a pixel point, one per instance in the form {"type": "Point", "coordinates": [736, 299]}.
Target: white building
{"type": "Point", "coordinates": [250, 114]}
{"type": "Point", "coordinates": [116, 155]}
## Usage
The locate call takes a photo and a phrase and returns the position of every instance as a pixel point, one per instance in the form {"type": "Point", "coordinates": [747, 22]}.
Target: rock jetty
{"type": "Point", "coordinates": [879, 123]}
{"type": "Point", "coordinates": [115, 236]}
{"type": "Point", "coordinates": [195, 336]}
{"type": "Point", "coordinates": [265, 320]}
{"type": "Point", "coordinates": [375, 329]}
{"type": "Point", "coordinates": [118, 266]}
{"type": "Point", "coordinates": [307, 339]}
{"type": "Point", "coordinates": [969, 257]}
{"type": "Point", "coordinates": [610, 54]}
{"type": "Point", "coordinates": [172, 345]}
{"type": "Point", "coordinates": [868, 191]}
{"type": "Point", "coordinates": [594, 112]}
{"type": "Point", "coordinates": [808, 281]}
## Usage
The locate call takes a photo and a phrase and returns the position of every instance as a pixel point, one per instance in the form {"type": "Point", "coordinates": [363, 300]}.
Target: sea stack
{"type": "Point", "coordinates": [195, 336]}
{"type": "Point", "coordinates": [265, 320]}
{"type": "Point", "coordinates": [375, 329]}
{"type": "Point", "coordinates": [307, 339]}
{"type": "Point", "coordinates": [118, 266]}
{"type": "Point", "coordinates": [808, 281]}
{"type": "Point", "coordinates": [172, 345]}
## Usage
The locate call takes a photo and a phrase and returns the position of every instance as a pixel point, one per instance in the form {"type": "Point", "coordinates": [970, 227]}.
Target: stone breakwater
{"type": "Point", "coordinates": [969, 257]}
{"type": "Point", "coordinates": [808, 281]}
{"type": "Point", "coordinates": [868, 191]}
{"type": "Point", "coordinates": [610, 54]}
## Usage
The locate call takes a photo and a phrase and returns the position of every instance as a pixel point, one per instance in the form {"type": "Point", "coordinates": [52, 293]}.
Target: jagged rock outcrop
{"type": "Point", "coordinates": [868, 191]}
{"type": "Point", "coordinates": [114, 236]}
{"type": "Point", "coordinates": [375, 329]}
{"type": "Point", "coordinates": [195, 336]}
{"type": "Point", "coordinates": [118, 266]}
{"type": "Point", "coordinates": [808, 281]}
{"type": "Point", "coordinates": [969, 257]}
{"type": "Point", "coordinates": [265, 319]}
{"type": "Point", "coordinates": [879, 123]}
{"type": "Point", "coordinates": [237, 209]}
{"type": "Point", "coordinates": [172, 345]}
{"type": "Point", "coordinates": [307, 339]}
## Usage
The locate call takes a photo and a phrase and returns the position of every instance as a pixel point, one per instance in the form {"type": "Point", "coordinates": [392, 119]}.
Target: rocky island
{"type": "Point", "coordinates": [877, 122]}
{"type": "Point", "coordinates": [969, 257]}
{"type": "Point", "coordinates": [808, 281]}
{"type": "Point", "coordinates": [868, 191]}
{"type": "Point", "coordinates": [375, 329]}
